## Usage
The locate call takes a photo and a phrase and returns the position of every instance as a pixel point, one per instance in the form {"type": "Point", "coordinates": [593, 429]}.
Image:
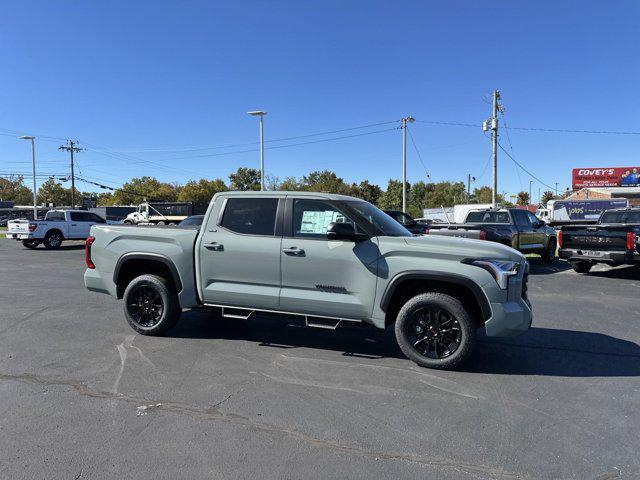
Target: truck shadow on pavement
{"type": "Point", "coordinates": [539, 267]}
{"type": "Point", "coordinates": [540, 351]}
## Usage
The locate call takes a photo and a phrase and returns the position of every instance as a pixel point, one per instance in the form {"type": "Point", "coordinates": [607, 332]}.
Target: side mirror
{"type": "Point", "coordinates": [343, 231]}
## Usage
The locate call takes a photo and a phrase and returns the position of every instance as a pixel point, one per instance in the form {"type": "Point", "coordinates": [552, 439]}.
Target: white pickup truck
{"type": "Point", "coordinates": [57, 226]}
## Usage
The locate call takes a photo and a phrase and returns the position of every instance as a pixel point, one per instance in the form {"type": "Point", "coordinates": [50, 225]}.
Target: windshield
{"type": "Point", "coordinates": [380, 220]}
{"type": "Point", "coordinates": [487, 217]}
{"type": "Point", "coordinates": [626, 216]}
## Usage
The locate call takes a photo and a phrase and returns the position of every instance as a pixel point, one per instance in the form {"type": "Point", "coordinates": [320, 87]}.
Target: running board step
{"type": "Point", "coordinates": [239, 313]}
{"type": "Point", "coordinates": [323, 322]}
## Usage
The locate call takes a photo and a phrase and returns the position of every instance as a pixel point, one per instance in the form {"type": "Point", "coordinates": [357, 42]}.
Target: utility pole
{"type": "Point", "coordinates": [468, 187]}
{"type": "Point", "coordinates": [492, 124]}
{"type": "Point", "coordinates": [71, 148]}
{"type": "Point", "coordinates": [556, 189]}
{"type": "Point", "coordinates": [409, 119]}
{"type": "Point", "coordinates": [33, 165]}
{"type": "Point", "coordinates": [539, 198]}
{"type": "Point", "coordinates": [260, 113]}
{"type": "Point", "coordinates": [530, 198]}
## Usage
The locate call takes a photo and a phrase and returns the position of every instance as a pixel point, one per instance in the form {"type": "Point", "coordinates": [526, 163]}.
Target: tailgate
{"type": "Point", "coordinates": [455, 232]}
{"type": "Point", "coordinates": [597, 237]}
{"type": "Point", "coordinates": [18, 226]}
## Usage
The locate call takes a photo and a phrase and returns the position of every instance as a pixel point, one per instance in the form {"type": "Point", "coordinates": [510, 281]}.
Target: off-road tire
{"type": "Point", "coordinates": [581, 267]}
{"type": "Point", "coordinates": [455, 309]}
{"type": "Point", "coordinates": [31, 244]}
{"type": "Point", "coordinates": [53, 240]}
{"type": "Point", "coordinates": [165, 295]}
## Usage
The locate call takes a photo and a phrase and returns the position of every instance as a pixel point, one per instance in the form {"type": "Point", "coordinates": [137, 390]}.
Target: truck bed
{"type": "Point", "coordinates": [115, 244]}
{"type": "Point", "coordinates": [461, 230]}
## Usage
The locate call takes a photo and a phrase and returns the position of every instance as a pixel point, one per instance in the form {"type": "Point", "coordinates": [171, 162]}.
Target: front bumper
{"type": "Point", "coordinates": [508, 319]}
{"type": "Point", "coordinates": [599, 256]}
{"type": "Point", "coordinates": [513, 315]}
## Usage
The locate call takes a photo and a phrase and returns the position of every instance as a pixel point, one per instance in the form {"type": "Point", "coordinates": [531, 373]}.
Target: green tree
{"type": "Point", "coordinates": [546, 196]}
{"type": "Point", "coordinates": [245, 179]}
{"type": "Point", "coordinates": [445, 194]}
{"type": "Point", "coordinates": [324, 181]}
{"type": "Point", "coordinates": [483, 195]}
{"type": "Point", "coordinates": [290, 184]}
{"type": "Point", "coordinates": [105, 199]}
{"type": "Point", "coordinates": [13, 189]}
{"type": "Point", "coordinates": [391, 198]}
{"type": "Point", "coordinates": [201, 191]}
{"type": "Point", "coordinates": [149, 188]}
{"type": "Point", "coordinates": [523, 198]}
{"type": "Point", "coordinates": [52, 191]}
{"type": "Point", "coordinates": [366, 191]}
{"type": "Point", "coordinates": [417, 199]}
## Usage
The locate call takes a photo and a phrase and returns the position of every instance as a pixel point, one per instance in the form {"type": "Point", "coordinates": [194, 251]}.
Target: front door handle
{"type": "Point", "coordinates": [215, 246]}
{"type": "Point", "coordinates": [298, 252]}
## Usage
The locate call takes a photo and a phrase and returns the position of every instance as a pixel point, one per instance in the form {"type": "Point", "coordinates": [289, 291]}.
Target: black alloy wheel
{"type": "Point", "coordinates": [145, 306]}
{"type": "Point", "coordinates": [434, 332]}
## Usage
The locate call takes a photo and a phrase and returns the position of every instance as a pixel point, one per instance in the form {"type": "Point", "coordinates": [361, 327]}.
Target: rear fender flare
{"type": "Point", "coordinates": [148, 256]}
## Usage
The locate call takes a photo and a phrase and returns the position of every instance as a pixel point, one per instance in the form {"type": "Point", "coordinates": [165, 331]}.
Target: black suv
{"type": "Point", "coordinates": [407, 222]}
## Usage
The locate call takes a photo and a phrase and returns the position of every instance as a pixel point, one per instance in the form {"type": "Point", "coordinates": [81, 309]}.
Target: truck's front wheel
{"type": "Point", "coordinates": [435, 330]}
{"type": "Point", "coordinates": [151, 305]}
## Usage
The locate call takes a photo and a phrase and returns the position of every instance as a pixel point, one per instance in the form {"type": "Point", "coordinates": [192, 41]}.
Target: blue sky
{"type": "Point", "coordinates": [140, 84]}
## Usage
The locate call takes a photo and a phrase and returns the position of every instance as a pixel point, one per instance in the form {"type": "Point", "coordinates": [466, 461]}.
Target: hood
{"type": "Point", "coordinates": [448, 247]}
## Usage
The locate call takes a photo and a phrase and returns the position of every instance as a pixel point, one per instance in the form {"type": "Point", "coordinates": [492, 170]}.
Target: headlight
{"type": "Point", "coordinates": [501, 270]}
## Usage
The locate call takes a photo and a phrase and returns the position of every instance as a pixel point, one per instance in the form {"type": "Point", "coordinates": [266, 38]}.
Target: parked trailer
{"type": "Point", "coordinates": [567, 212]}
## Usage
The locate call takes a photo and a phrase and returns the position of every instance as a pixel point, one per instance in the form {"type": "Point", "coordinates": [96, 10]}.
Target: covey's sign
{"type": "Point", "coordinates": [606, 177]}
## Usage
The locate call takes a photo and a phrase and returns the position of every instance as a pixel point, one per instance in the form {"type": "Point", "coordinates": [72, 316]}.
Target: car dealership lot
{"type": "Point", "coordinates": [83, 396]}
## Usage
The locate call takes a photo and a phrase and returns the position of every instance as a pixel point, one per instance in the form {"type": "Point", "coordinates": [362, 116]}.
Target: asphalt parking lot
{"type": "Point", "coordinates": [82, 396]}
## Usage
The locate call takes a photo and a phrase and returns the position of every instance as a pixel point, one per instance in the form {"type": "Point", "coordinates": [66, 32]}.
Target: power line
{"type": "Point", "coordinates": [417, 152]}
{"type": "Point", "coordinates": [524, 169]}
{"type": "Point", "coordinates": [562, 130]}
{"type": "Point", "coordinates": [217, 147]}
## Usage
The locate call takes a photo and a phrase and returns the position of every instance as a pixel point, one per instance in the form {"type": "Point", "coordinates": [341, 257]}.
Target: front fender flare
{"type": "Point", "coordinates": [454, 278]}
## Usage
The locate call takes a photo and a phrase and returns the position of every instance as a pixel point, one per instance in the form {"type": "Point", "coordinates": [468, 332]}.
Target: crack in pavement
{"type": "Point", "coordinates": [213, 413]}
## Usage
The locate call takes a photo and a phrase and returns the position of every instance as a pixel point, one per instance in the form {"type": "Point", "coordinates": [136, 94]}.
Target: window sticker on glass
{"type": "Point", "coordinates": [317, 222]}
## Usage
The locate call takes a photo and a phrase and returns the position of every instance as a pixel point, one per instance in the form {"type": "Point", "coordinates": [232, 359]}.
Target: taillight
{"type": "Point", "coordinates": [32, 227]}
{"type": "Point", "coordinates": [87, 252]}
{"type": "Point", "coordinates": [426, 230]}
{"type": "Point", "coordinates": [483, 235]}
{"type": "Point", "coordinates": [631, 241]}
{"type": "Point", "coordinates": [560, 238]}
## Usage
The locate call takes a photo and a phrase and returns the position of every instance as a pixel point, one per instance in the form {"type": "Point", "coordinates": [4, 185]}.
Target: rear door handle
{"type": "Point", "coordinates": [293, 251]}
{"type": "Point", "coordinates": [215, 246]}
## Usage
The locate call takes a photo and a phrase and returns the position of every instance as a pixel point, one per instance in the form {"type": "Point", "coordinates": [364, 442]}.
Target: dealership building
{"type": "Point", "coordinates": [606, 183]}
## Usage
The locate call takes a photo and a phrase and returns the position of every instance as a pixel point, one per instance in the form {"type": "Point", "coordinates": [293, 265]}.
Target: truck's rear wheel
{"type": "Point", "coordinates": [53, 240]}
{"type": "Point", "coordinates": [550, 252]}
{"type": "Point", "coordinates": [151, 305]}
{"type": "Point", "coordinates": [581, 267]}
{"type": "Point", "coordinates": [31, 243]}
{"type": "Point", "coordinates": [435, 330]}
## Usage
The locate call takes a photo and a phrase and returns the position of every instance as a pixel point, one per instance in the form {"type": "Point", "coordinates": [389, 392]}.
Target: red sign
{"type": "Point", "coordinates": [606, 177]}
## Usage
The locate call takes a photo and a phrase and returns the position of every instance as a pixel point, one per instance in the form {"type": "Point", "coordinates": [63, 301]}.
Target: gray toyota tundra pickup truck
{"type": "Point", "coordinates": [328, 259]}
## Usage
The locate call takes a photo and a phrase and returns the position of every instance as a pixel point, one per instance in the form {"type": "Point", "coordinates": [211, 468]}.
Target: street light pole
{"type": "Point", "coordinates": [260, 114]}
{"type": "Point", "coordinates": [33, 164]}
{"type": "Point", "coordinates": [404, 161]}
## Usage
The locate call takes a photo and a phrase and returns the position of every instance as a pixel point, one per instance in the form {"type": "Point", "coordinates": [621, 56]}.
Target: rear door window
{"type": "Point", "coordinates": [250, 216]}
{"type": "Point", "coordinates": [520, 218]}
